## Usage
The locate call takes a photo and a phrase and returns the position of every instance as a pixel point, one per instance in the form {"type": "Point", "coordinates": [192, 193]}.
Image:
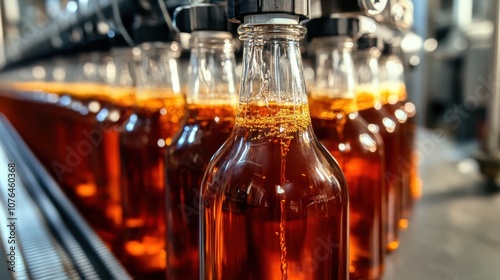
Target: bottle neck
{"type": "Point", "coordinates": [273, 92]}
{"type": "Point", "coordinates": [212, 69]}
{"type": "Point", "coordinates": [120, 74]}
{"type": "Point", "coordinates": [392, 79]}
{"type": "Point", "coordinates": [158, 75]}
{"type": "Point", "coordinates": [334, 86]}
{"type": "Point", "coordinates": [122, 69]}
{"type": "Point", "coordinates": [368, 91]}
{"type": "Point", "coordinates": [84, 81]}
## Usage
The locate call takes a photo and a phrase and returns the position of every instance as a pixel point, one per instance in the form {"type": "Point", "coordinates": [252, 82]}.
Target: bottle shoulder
{"type": "Point", "coordinates": [381, 121]}
{"type": "Point", "coordinates": [195, 144]}
{"type": "Point", "coordinates": [349, 135]}
{"type": "Point", "coordinates": [115, 115]}
{"type": "Point", "coordinates": [201, 133]}
{"type": "Point", "coordinates": [306, 169]}
{"type": "Point", "coordinates": [139, 121]}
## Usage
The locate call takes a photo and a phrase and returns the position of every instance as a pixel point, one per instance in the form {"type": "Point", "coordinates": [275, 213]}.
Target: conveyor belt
{"type": "Point", "coordinates": [52, 239]}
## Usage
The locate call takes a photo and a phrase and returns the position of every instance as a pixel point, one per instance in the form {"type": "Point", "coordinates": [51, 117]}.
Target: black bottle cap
{"type": "Point", "coordinates": [117, 40]}
{"type": "Point", "coordinates": [332, 26]}
{"type": "Point", "coordinates": [237, 9]}
{"type": "Point", "coordinates": [367, 41]}
{"type": "Point", "coordinates": [370, 7]}
{"type": "Point", "coordinates": [151, 29]}
{"type": "Point", "coordinates": [201, 17]}
{"type": "Point", "coordinates": [388, 49]}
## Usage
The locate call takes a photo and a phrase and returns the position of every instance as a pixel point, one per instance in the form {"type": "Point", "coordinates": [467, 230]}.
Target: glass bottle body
{"type": "Point", "coordinates": [370, 104]}
{"type": "Point", "coordinates": [82, 93]}
{"type": "Point", "coordinates": [381, 122]}
{"type": "Point", "coordinates": [358, 151]}
{"type": "Point", "coordinates": [82, 99]}
{"type": "Point", "coordinates": [46, 89]}
{"type": "Point", "coordinates": [86, 96]}
{"type": "Point", "coordinates": [394, 96]}
{"type": "Point", "coordinates": [29, 88]}
{"type": "Point", "coordinates": [210, 114]}
{"type": "Point", "coordinates": [273, 199]}
{"type": "Point", "coordinates": [404, 111]}
{"type": "Point", "coordinates": [120, 75]}
{"type": "Point", "coordinates": [415, 181]}
{"type": "Point", "coordinates": [158, 109]}
{"type": "Point", "coordinates": [106, 167]}
{"type": "Point", "coordinates": [359, 154]}
{"type": "Point", "coordinates": [143, 140]}
{"type": "Point", "coordinates": [202, 134]}
{"type": "Point", "coordinates": [41, 134]}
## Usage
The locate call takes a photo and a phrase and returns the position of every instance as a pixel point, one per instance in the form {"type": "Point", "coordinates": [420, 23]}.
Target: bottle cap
{"type": "Point", "coordinates": [117, 40]}
{"type": "Point", "coordinates": [368, 41]}
{"type": "Point", "coordinates": [151, 29]}
{"type": "Point", "coordinates": [332, 26]}
{"type": "Point", "coordinates": [387, 49]}
{"type": "Point", "coordinates": [238, 9]}
{"type": "Point", "coordinates": [369, 7]}
{"type": "Point", "coordinates": [201, 17]}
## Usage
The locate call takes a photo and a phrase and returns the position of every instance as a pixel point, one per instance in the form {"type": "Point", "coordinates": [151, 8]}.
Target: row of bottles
{"type": "Point", "coordinates": [196, 182]}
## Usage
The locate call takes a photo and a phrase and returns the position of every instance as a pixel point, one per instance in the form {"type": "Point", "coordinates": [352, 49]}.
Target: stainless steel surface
{"type": "Point", "coordinates": [494, 110]}
{"type": "Point", "coordinates": [489, 154]}
{"type": "Point", "coordinates": [361, 7]}
{"type": "Point", "coordinates": [454, 231]}
{"type": "Point", "coordinates": [33, 238]}
{"type": "Point", "coordinates": [374, 7]}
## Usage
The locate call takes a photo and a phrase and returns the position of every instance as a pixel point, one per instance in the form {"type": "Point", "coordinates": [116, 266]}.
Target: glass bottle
{"type": "Point", "coordinates": [274, 202]}
{"type": "Point", "coordinates": [119, 71]}
{"type": "Point", "coordinates": [211, 110]}
{"type": "Point", "coordinates": [144, 136]}
{"type": "Point", "coordinates": [84, 94]}
{"type": "Point", "coordinates": [358, 151]}
{"type": "Point", "coordinates": [395, 101]}
{"type": "Point", "coordinates": [381, 121]}
{"type": "Point", "coordinates": [64, 72]}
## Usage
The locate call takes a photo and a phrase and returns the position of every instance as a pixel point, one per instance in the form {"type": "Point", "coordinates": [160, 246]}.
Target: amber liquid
{"type": "Point", "coordinates": [359, 153]}
{"type": "Point", "coordinates": [106, 167]}
{"type": "Point", "coordinates": [202, 133]}
{"type": "Point", "coordinates": [70, 163]}
{"type": "Point", "coordinates": [23, 104]}
{"type": "Point", "coordinates": [60, 138]}
{"type": "Point", "coordinates": [380, 121]}
{"type": "Point", "coordinates": [415, 181]}
{"type": "Point", "coordinates": [143, 140]}
{"type": "Point", "coordinates": [396, 104]}
{"type": "Point", "coordinates": [275, 203]}
{"type": "Point", "coordinates": [24, 109]}
{"type": "Point", "coordinates": [59, 124]}
{"type": "Point", "coordinates": [80, 137]}
{"type": "Point", "coordinates": [84, 184]}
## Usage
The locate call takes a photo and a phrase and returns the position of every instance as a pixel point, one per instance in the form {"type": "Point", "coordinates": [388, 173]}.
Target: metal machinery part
{"type": "Point", "coordinates": [362, 7]}
{"type": "Point", "coordinates": [488, 156]}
